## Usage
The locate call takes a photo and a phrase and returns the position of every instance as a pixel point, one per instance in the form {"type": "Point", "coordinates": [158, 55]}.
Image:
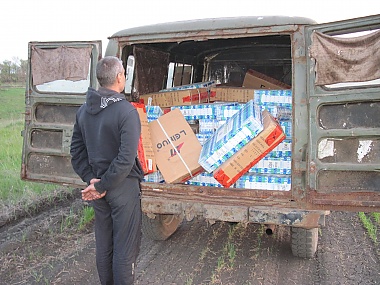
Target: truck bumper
{"type": "Point", "coordinates": [236, 213]}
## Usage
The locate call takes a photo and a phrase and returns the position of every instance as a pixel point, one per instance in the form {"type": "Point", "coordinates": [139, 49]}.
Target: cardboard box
{"type": "Point", "coordinates": [176, 97]}
{"type": "Point", "coordinates": [231, 94]}
{"type": "Point", "coordinates": [156, 99]}
{"type": "Point", "coordinates": [145, 152]}
{"type": "Point", "coordinates": [176, 147]}
{"type": "Point", "coordinates": [237, 165]}
{"type": "Point", "coordinates": [189, 96]}
{"type": "Point", "coordinates": [257, 80]}
{"type": "Point", "coordinates": [218, 94]}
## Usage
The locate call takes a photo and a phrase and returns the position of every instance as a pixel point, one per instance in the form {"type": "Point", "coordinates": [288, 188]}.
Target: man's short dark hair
{"type": "Point", "coordinates": [107, 70]}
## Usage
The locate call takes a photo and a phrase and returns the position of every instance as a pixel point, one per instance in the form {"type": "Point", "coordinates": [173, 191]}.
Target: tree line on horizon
{"type": "Point", "coordinates": [13, 72]}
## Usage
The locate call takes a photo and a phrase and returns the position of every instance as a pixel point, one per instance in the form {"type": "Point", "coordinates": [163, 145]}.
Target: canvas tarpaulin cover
{"type": "Point", "coordinates": [150, 71]}
{"type": "Point", "coordinates": [68, 63]}
{"type": "Point", "coordinates": [341, 59]}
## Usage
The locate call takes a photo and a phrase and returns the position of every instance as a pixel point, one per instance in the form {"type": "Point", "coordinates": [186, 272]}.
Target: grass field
{"type": "Point", "coordinates": [13, 190]}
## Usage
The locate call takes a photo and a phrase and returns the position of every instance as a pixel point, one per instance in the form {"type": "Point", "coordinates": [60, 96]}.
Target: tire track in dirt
{"type": "Point", "coordinates": [346, 254]}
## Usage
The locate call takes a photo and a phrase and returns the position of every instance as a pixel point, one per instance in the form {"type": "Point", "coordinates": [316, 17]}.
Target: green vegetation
{"type": "Point", "coordinates": [376, 217]}
{"type": "Point", "coordinates": [87, 216]}
{"type": "Point", "coordinates": [13, 73]}
{"type": "Point", "coordinates": [369, 225]}
{"type": "Point", "coordinates": [13, 190]}
{"type": "Point", "coordinates": [226, 261]}
{"type": "Point", "coordinates": [12, 105]}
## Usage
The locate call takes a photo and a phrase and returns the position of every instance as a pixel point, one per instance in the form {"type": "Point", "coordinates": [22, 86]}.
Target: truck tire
{"type": "Point", "coordinates": [304, 242]}
{"type": "Point", "coordinates": [161, 227]}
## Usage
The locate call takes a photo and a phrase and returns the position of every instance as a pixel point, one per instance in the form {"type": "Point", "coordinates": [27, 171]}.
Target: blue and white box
{"type": "Point", "coordinates": [204, 179]}
{"type": "Point", "coordinates": [229, 138]}
{"type": "Point", "coordinates": [273, 165]}
{"type": "Point", "coordinates": [284, 149]}
{"type": "Point", "coordinates": [153, 112]}
{"type": "Point", "coordinates": [273, 97]}
{"type": "Point", "coordinates": [264, 182]}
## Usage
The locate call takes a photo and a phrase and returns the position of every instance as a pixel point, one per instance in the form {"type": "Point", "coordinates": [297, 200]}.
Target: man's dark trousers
{"type": "Point", "coordinates": [118, 233]}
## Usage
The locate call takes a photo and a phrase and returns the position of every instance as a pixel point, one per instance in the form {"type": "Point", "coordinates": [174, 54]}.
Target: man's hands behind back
{"type": "Point", "coordinates": [90, 193]}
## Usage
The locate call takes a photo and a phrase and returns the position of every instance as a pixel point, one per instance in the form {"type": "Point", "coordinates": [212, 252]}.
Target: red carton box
{"type": "Point", "coordinates": [232, 169]}
{"type": "Point", "coordinates": [145, 151]}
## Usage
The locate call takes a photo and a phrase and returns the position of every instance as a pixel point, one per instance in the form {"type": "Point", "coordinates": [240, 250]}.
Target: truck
{"type": "Point", "coordinates": [332, 70]}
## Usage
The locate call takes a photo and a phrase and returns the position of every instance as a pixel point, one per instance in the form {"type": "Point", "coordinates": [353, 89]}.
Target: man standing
{"type": "Point", "coordinates": [104, 154]}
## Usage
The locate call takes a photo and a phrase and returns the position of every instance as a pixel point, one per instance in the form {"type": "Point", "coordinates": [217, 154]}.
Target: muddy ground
{"type": "Point", "coordinates": [42, 245]}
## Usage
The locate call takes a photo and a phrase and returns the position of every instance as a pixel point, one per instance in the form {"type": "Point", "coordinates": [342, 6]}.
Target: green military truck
{"type": "Point", "coordinates": [332, 70]}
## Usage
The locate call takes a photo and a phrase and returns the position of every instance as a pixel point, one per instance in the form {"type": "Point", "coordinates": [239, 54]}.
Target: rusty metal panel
{"type": "Point", "coordinates": [162, 206]}
{"type": "Point", "coordinates": [49, 164]}
{"type": "Point", "coordinates": [226, 213]}
{"type": "Point", "coordinates": [276, 215]}
{"type": "Point", "coordinates": [350, 115]}
{"type": "Point", "coordinates": [46, 139]}
{"type": "Point", "coordinates": [332, 181]}
{"type": "Point", "coordinates": [350, 150]}
{"type": "Point", "coordinates": [52, 113]}
{"type": "Point", "coordinates": [287, 217]}
{"type": "Point", "coordinates": [191, 209]}
{"type": "Point", "coordinates": [52, 168]}
{"type": "Point", "coordinates": [215, 195]}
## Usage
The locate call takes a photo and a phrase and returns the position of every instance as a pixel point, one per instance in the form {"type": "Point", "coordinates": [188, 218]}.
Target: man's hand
{"type": "Point", "coordinates": [90, 193]}
{"type": "Point", "coordinates": [94, 180]}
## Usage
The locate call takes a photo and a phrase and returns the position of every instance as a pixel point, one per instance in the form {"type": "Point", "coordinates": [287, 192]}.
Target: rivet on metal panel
{"type": "Point", "coordinates": [312, 167]}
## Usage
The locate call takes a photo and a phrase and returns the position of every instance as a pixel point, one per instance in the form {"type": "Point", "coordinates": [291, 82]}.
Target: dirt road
{"type": "Point", "coordinates": [46, 248]}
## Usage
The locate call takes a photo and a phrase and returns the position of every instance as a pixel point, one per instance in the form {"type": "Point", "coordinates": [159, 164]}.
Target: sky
{"type": "Point", "coordinates": [22, 21]}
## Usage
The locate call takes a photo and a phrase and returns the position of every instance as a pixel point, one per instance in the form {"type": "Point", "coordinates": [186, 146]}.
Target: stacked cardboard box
{"type": "Point", "coordinates": [272, 165]}
{"type": "Point", "coordinates": [204, 179]}
{"type": "Point", "coordinates": [176, 97]}
{"type": "Point", "coordinates": [215, 111]}
{"type": "Point", "coordinates": [273, 172]}
{"type": "Point", "coordinates": [264, 182]}
{"type": "Point", "coordinates": [195, 93]}
{"type": "Point", "coordinates": [231, 94]}
{"type": "Point", "coordinates": [228, 139]}
{"type": "Point", "coordinates": [237, 141]}
{"type": "Point", "coordinates": [283, 150]}
{"type": "Point", "coordinates": [251, 153]}
{"type": "Point", "coordinates": [253, 80]}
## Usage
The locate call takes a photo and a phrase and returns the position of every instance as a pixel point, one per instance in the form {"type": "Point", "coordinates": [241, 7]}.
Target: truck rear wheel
{"type": "Point", "coordinates": [304, 242]}
{"type": "Point", "coordinates": [161, 227]}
